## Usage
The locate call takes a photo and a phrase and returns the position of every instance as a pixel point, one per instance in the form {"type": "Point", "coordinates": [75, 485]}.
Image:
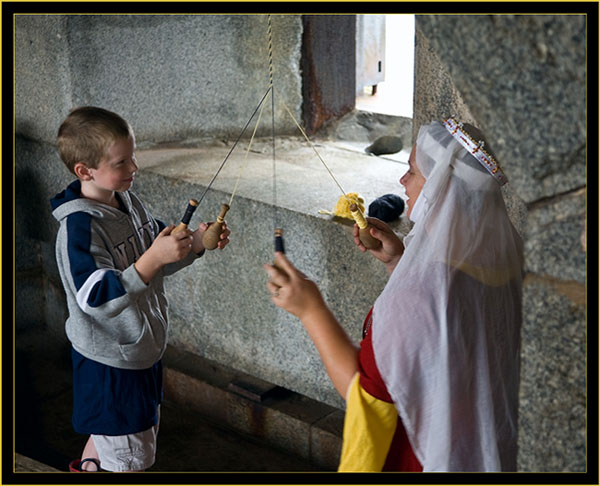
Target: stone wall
{"type": "Point", "coordinates": [522, 80]}
{"type": "Point", "coordinates": [219, 306]}
{"type": "Point", "coordinates": [328, 69]}
{"type": "Point", "coordinates": [173, 77]}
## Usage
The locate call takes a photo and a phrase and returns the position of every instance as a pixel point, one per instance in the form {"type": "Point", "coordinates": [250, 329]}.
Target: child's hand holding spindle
{"type": "Point", "coordinates": [168, 247]}
{"type": "Point", "coordinates": [198, 246]}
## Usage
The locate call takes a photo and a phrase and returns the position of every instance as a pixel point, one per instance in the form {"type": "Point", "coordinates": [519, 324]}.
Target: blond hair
{"type": "Point", "coordinates": [87, 133]}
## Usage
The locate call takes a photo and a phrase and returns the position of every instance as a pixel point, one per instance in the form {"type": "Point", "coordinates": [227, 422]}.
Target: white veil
{"type": "Point", "coordinates": [446, 328]}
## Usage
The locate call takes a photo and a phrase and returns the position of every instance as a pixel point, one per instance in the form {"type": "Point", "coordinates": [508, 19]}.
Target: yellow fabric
{"type": "Point", "coordinates": [493, 277]}
{"type": "Point", "coordinates": [369, 428]}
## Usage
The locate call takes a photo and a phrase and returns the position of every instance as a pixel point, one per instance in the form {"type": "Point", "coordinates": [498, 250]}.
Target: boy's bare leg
{"type": "Point", "coordinates": [89, 452]}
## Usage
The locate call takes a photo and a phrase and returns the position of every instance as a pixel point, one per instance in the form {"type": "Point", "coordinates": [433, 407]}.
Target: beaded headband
{"type": "Point", "coordinates": [475, 149]}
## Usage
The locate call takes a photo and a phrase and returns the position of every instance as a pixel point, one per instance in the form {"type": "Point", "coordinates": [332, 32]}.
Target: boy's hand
{"type": "Point", "coordinates": [166, 248]}
{"type": "Point", "coordinates": [170, 248]}
{"type": "Point", "coordinates": [198, 247]}
{"type": "Point", "coordinates": [391, 248]}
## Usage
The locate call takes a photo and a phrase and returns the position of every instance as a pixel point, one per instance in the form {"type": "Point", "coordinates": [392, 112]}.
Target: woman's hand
{"type": "Point", "coordinates": [391, 248]}
{"type": "Point", "coordinates": [291, 290]}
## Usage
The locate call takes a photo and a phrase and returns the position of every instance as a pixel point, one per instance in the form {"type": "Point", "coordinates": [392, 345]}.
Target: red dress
{"type": "Point", "coordinates": [400, 456]}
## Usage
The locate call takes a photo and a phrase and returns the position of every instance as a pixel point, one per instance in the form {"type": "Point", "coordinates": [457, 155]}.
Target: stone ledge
{"type": "Point", "coordinates": [24, 464]}
{"type": "Point", "coordinates": [219, 307]}
{"type": "Point", "coordinates": [279, 417]}
{"type": "Point", "coordinates": [304, 184]}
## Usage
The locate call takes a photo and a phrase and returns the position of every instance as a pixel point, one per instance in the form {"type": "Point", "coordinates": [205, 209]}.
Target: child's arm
{"type": "Point", "coordinates": [166, 248]}
{"type": "Point", "coordinates": [197, 248]}
{"type": "Point", "coordinates": [106, 282]}
{"type": "Point", "coordinates": [293, 292]}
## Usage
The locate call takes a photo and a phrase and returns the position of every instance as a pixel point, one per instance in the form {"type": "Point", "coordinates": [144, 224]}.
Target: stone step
{"type": "Point", "coordinates": [254, 408]}
{"type": "Point", "coordinates": [188, 440]}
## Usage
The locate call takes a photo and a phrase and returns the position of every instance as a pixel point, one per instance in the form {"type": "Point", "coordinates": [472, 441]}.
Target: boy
{"type": "Point", "coordinates": [112, 256]}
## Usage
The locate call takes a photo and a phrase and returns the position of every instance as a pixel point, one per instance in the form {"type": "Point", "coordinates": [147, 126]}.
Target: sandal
{"type": "Point", "coordinates": [75, 464]}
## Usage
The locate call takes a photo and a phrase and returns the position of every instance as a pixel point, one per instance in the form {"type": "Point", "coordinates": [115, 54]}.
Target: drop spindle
{"type": "Point", "coordinates": [363, 229]}
{"type": "Point", "coordinates": [279, 246]}
{"type": "Point", "coordinates": [212, 236]}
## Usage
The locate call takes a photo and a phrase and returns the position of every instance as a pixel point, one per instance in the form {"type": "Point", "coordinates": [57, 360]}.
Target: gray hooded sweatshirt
{"type": "Point", "coordinates": [114, 317]}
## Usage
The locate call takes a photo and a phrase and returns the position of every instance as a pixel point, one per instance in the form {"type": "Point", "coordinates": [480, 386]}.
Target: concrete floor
{"type": "Point", "coordinates": [187, 442]}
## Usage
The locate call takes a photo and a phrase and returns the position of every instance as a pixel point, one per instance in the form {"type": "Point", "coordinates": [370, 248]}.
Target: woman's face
{"type": "Point", "coordinates": [413, 182]}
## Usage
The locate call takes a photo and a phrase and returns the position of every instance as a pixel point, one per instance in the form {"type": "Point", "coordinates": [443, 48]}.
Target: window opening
{"type": "Point", "coordinates": [390, 90]}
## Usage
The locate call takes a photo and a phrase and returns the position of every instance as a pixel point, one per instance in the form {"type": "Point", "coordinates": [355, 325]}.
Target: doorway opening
{"type": "Point", "coordinates": [385, 64]}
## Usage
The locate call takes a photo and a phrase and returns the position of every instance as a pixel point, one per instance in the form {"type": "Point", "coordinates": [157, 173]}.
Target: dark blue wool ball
{"type": "Point", "coordinates": [387, 207]}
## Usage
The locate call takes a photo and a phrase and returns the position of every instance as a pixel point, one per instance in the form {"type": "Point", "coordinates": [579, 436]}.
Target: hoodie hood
{"type": "Point", "coordinates": [71, 201]}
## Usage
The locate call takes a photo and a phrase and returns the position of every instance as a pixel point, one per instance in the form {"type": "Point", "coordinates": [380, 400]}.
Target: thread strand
{"type": "Point", "coordinates": [270, 34]}
{"type": "Point", "coordinates": [233, 147]}
{"type": "Point", "coordinates": [316, 152]}
{"type": "Point", "coordinates": [243, 167]}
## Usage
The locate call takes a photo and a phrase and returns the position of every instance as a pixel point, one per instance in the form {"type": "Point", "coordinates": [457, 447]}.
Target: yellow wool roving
{"type": "Point", "coordinates": [342, 207]}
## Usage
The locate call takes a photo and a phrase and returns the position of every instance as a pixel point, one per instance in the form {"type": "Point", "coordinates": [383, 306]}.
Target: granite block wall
{"type": "Point", "coordinates": [220, 308]}
{"type": "Point", "coordinates": [173, 77]}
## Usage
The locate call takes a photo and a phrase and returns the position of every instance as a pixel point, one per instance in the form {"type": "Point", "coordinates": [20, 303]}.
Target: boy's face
{"type": "Point", "coordinates": [117, 169]}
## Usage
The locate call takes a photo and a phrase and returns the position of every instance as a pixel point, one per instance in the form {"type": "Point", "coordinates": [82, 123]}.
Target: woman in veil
{"type": "Point", "coordinates": [434, 384]}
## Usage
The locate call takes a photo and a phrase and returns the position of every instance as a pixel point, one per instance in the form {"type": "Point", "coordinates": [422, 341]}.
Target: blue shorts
{"type": "Point", "coordinates": [114, 401]}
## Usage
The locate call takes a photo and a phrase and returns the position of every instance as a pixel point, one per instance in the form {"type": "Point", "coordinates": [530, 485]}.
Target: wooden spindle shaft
{"type": "Point", "coordinates": [221, 216]}
{"type": "Point", "coordinates": [279, 246]}
{"type": "Point", "coordinates": [191, 207]}
{"type": "Point", "coordinates": [364, 233]}
{"type": "Point", "coordinates": [279, 240]}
